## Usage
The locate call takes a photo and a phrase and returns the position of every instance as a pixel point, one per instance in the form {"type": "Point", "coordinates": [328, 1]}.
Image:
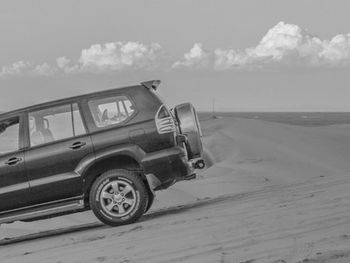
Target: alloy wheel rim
{"type": "Point", "coordinates": [118, 198]}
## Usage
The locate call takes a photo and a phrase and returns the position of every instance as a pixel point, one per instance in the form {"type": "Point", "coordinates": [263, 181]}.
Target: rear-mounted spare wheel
{"type": "Point", "coordinates": [187, 118]}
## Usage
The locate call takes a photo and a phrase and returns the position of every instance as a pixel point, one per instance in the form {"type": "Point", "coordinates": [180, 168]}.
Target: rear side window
{"type": "Point", "coordinates": [9, 135]}
{"type": "Point", "coordinates": [111, 110]}
{"type": "Point", "coordinates": [54, 124]}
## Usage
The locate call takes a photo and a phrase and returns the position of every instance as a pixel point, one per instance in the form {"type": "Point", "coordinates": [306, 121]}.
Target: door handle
{"type": "Point", "coordinates": [13, 161]}
{"type": "Point", "coordinates": [77, 145]}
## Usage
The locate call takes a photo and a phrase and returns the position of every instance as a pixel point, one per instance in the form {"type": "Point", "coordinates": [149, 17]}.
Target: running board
{"type": "Point", "coordinates": [42, 212]}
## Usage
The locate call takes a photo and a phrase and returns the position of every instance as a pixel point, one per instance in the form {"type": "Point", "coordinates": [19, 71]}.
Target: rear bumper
{"type": "Point", "coordinates": [166, 167]}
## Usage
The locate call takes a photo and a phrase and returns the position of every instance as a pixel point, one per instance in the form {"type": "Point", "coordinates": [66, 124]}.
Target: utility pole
{"type": "Point", "coordinates": [213, 104]}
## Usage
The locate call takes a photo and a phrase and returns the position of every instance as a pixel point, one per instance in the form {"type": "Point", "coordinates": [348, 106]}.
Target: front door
{"type": "Point", "coordinates": [14, 186]}
{"type": "Point", "coordinates": [58, 143]}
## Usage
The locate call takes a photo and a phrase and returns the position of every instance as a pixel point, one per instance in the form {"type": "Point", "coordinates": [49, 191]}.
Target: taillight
{"type": "Point", "coordinates": [164, 121]}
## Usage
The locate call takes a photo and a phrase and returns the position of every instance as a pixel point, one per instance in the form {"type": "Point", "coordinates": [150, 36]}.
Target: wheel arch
{"type": "Point", "coordinates": [118, 161]}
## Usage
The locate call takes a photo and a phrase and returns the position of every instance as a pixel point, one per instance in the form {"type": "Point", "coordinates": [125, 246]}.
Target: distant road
{"type": "Point", "coordinates": [293, 118]}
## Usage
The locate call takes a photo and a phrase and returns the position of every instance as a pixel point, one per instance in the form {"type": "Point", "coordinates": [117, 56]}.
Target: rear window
{"type": "Point", "coordinates": [111, 110]}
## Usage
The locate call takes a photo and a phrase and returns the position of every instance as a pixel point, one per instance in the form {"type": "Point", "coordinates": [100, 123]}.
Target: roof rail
{"type": "Point", "coordinates": [151, 84]}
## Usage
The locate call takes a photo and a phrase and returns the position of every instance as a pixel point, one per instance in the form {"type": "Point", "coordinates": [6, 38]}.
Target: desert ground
{"type": "Point", "coordinates": [272, 192]}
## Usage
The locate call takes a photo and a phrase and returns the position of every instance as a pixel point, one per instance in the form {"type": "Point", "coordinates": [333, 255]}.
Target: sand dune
{"type": "Point", "coordinates": [285, 199]}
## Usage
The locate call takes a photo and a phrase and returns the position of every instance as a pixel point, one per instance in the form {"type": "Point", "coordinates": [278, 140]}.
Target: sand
{"type": "Point", "coordinates": [273, 193]}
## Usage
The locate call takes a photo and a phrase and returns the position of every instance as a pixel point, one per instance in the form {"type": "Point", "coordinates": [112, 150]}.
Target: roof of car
{"type": "Point", "coordinates": [67, 99]}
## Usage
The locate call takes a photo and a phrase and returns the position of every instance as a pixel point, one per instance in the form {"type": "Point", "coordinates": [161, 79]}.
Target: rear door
{"type": "Point", "coordinates": [58, 143]}
{"type": "Point", "coordinates": [14, 186]}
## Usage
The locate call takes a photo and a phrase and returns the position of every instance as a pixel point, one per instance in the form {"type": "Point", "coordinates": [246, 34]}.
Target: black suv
{"type": "Point", "coordinates": [107, 151]}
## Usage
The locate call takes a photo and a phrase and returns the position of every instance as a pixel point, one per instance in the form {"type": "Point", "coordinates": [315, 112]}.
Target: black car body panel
{"type": "Point", "coordinates": [48, 175]}
{"type": "Point", "coordinates": [53, 176]}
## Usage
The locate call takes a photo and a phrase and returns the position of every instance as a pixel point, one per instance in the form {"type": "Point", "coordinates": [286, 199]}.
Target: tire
{"type": "Point", "coordinates": [151, 197]}
{"type": "Point", "coordinates": [187, 118]}
{"type": "Point", "coordinates": [118, 197]}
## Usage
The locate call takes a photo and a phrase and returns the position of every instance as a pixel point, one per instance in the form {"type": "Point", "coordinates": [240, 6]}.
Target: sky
{"type": "Point", "coordinates": [264, 55]}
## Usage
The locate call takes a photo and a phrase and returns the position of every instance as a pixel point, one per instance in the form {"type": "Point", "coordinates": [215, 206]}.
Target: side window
{"type": "Point", "coordinates": [56, 123]}
{"type": "Point", "coordinates": [9, 135]}
{"type": "Point", "coordinates": [111, 110]}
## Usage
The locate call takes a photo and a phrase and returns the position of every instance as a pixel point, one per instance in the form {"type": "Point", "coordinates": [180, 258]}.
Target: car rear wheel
{"type": "Point", "coordinates": [118, 197]}
{"type": "Point", "coordinates": [187, 119]}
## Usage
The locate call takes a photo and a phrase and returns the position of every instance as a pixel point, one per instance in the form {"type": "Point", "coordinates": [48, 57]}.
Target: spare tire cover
{"type": "Point", "coordinates": [187, 118]}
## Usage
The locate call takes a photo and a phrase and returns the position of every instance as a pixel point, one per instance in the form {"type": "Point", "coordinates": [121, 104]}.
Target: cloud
{"type": "Point", "coordinates": [196, 57]}
{"type": "Point", "coordinates": [43, 70]}
{"type": "Point", "coordinates": [62, 62]}
{"type": "Point", "coordinates": [26, 68]}
{"type": "Point", "coordinates": [16, 68]}
{"type": "Point", "coordinates": [118, 56]}
{"type": "Point", "coordinates": [336, 50]}
{"type": "Point", "coordinates": [280, 41]}
{"type": "Point", "coordinates": [284, 44]}
{"type": "Point", "coordinates": [115, 56]}
{"type": "Point", "coordinates": [66, 65]}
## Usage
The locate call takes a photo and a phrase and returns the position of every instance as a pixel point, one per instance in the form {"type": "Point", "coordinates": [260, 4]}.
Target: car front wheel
{"type": "Point", "coordinates": [118, 197]}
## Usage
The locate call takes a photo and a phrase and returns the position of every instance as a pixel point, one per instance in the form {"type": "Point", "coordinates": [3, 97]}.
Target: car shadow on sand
{"type": "Point", "coordinates": [152, 215]}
